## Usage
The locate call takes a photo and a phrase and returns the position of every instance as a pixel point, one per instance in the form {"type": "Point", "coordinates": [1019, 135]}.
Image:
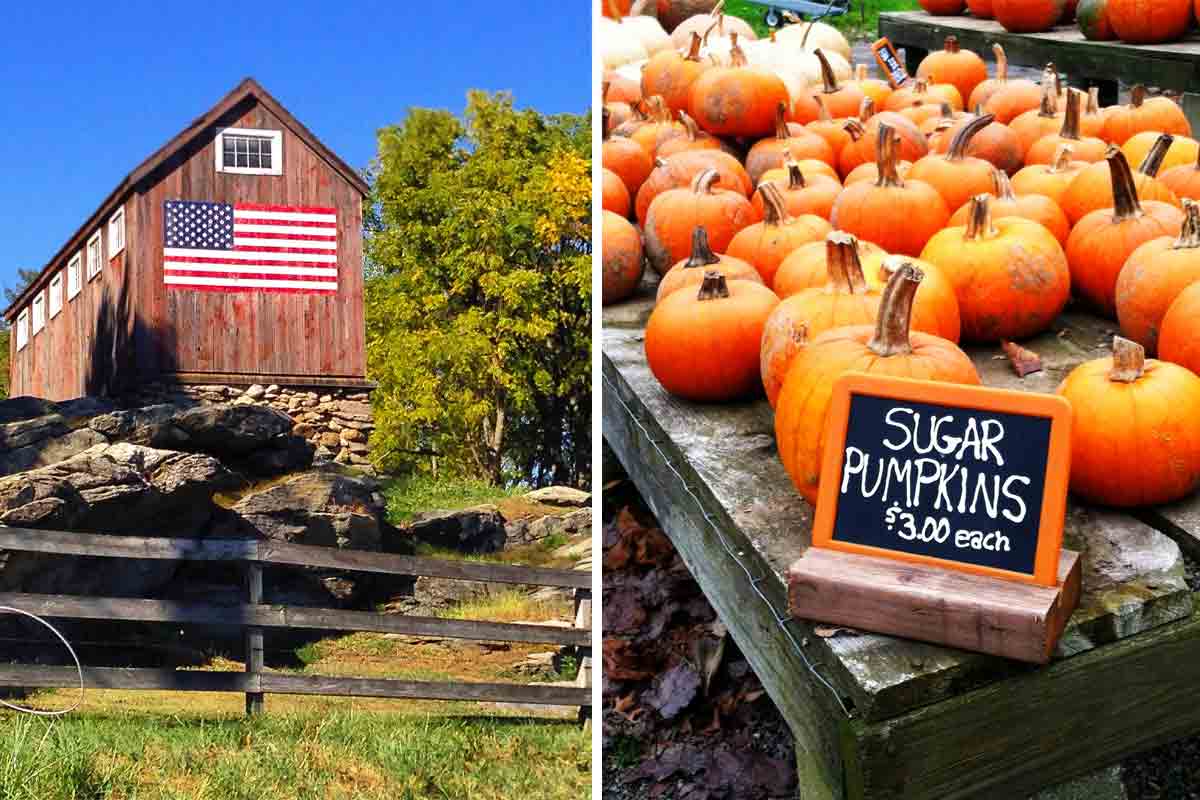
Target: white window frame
{"type": "Point", "coordinates": [56, 294]}
{"type": "Point", "coordinates": [75, 273]}
{"type": "Point", "coordinates": [276, 138]}
{"type": "Point", "coordinates": [116, 233]}
{"type": "Point", "coordinates": [94, 265]}
{"type": "Point", "coordinates": [22, 329]}
{"type": "Point", "coordinates": [39, 312]}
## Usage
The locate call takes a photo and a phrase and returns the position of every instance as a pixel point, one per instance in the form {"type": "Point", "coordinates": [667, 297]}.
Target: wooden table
{"type": "Point", "coordinates": [925, 721]}
{"type": "Point", "coordinates": [1169, 66]}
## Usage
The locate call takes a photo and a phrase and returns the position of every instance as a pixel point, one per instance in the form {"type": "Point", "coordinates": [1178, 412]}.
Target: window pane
{"type": "Point", "coordinates": [266, 147]}
{"type": "Point", "coordinates": [253, 146]}
{"type": "Point", "coordinates": [227, 157]}
{"type": "Point", "coordinates": [243, 160]}
{"type": "Point", "coordinates": [242, 145]}
{"type": "Point", "coordinates": [266, 158]}
{"type": "Point", "coordinates": [253, 161]}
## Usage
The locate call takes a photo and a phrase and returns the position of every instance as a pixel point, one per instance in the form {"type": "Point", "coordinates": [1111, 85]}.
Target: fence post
{"type": "Point", "coordinates": [583, 620]}
{"type": "Point", "coordinates": [254, 637]}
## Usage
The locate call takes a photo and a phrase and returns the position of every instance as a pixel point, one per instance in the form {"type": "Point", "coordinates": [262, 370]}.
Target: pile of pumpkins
{"type": "Point", "coordinates": [1099, 20]}
{"type": "Point", "coordinates": [859, 227]}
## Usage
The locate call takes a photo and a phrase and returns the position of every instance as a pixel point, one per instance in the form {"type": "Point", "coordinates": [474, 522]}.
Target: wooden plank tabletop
{"type": "Point", "coordinates": [1133, 577]}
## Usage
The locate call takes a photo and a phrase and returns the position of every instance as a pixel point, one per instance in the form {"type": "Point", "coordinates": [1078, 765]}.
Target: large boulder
{"type": "Point", "coordinates": [531, 530]}
{"type": "Point", "coordinates": [560, 496]}
{"type": "Point", "coordinates": [468, 530]}
{"type": "Point", "coordinates": [232, 430]}
{"type": "Point", "coordinates": [326, 509]}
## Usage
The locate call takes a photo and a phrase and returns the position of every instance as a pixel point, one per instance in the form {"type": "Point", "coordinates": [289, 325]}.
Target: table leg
{"type": "Point", "coordinates": [913, 56]}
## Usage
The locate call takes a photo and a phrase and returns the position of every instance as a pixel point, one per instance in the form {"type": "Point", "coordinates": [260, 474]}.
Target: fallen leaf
{"type": "Point", "coordinates": [826, 632]}
{"type": "Point", "coordinates": [708, 652]}
{"type": "Point", "coordinates": [1023, 360]}
{"type": "Point", "coordinates": [673, 690]}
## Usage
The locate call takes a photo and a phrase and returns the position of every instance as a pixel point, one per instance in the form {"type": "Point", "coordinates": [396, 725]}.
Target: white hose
{"type": "Point", "coordinates": [71, 650]}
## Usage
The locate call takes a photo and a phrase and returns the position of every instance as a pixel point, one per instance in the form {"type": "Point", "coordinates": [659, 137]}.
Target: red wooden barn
{"type": "Point", "coordinates": [232, 255]}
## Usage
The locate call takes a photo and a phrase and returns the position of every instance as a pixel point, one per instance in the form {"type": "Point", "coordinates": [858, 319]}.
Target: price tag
{"type": "Point", "coordinates": [889, 62]}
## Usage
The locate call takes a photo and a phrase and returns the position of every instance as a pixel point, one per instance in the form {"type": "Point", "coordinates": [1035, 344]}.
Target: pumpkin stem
{"type": "Point", "coordinates": [693, 130]}
{"type": "Point", "coordinates": [615, 10]}
{"type": "Point", "coordinates": [1137, 95]}
{"type": "Point", "coordinates": [1062, 158]}
{"type": "Point", "coordinates": [866, 109]}
{"type": "Point", "coordinates": [885, 157]}
{"type": "Point", "coordinates": [704, 180]}
{"type": "Point", "coordinates": [979, 219]}
{"type": "Point", "coordinates": [605, 121]}
{"type": "Point", "coordinates": [1189, 235]}
{"type": "Point", "coordinates": [962, 137]}
{"type": "Point", "coordinates": [822, 111]}
{"type": "Point", "coordinates": [920, 86]}
{"type": "Point", "coordinates": [795, 176]}
{"type": "Point", "coordinates": [1070, 123]}
{"type": "Point", "coordinates": [1003, 186]}
{"type": "Point", "coordinates": [693, 53]}
{"type": "Point", "coordinates": [774, 207]}
{"type": "Point", "coordinates": [737, 56]}
{"type": "Point", "coordinates": [1154, 157]}
{"type": "Point", "coordinates": [1129, 360]}
{"type": "Point", "coordinates": [658, 109]}
{"type": "Point", "coordinates": [781, 126]}
{"type": "Point", "coordinates": [1001, 63]}
{"type": "Point", "coordinates": [947, 111]}
{"type": "Point", "coordinates": [702, 254]}
{"type": "Point", "coordinates": [638, 8]}
{"type": "Point", "coordinates": [842, 261]}
{"type": "Point", "coordinates": [951, 45]}
{"type": "Point", "coordinates": [1049, 104]}
{"type": "Point", "coordinates": [860, 72]}
{"type": "Point", "coordinates": [1125, 199]}
{"type": "Point", "coordinates": [1093, 103]}
{"type": "Point", "coordinates": [895, 312]}
{"type": "Point", "coordinates": [713, 287]}
{"type": "Point", "coordinates": [827, 76]}
{"type": "Point", "coordinates": [854, 128]}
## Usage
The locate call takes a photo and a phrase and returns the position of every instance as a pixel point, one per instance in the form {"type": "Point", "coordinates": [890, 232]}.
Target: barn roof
{"type": "Point", "coordinates": [248, 88]}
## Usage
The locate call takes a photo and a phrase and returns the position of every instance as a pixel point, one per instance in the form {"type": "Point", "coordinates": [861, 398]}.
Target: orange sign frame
{"type": "Point", "coordinates": [889, 72]}
{"type": "Point", "coordinates": [1029, 404]}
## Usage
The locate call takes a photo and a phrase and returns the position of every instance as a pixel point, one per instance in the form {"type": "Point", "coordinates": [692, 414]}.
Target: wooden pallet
{"type": "Point", "coordinates": [927, 721]}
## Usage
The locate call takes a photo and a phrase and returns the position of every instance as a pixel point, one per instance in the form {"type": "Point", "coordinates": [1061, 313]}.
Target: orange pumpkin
{"type": "Point", "coordinates": [1051, 179]}
{"type": "Point", "coordinates": [885, 348]}
{"type": "Point", "coordinates": [738, 100]}
{"type": "Point", "coordinates": [693, 139]}
{"type": "Point", "coordinates": [660, 128]}
{"type": "Point", "coordinates": [1102, 240]}
{"type": "Point", "coordinates": [614, 195]}
{"type": "Point", "coordinates": [615, 9]}
{"type": "Point", "coordinates": [962, 68]}
{"type": "Point", "coordinates": [980, 9]}
{"type": "Point", "coordinates": [678, 171]}
{"type": "Point", "coordinates": [1011, 97]}
{"type": "Point", "coordinates": [619, 89]}
{"type": "Point", "coordinates": [691, 270]}
{"type": "Point", "coordinates": [921, 92]}
{"type": "Point", "coordinates": [1033, 124]}
{"type": "Point", "coordinates": [802, 195]}
{"type": "Point", "coordinates": [1159, 114]}
{"type": "Point", "coordinates": [810, 168]}
{"type": "Point", "coordinates": [874, 88]}
{"type": "Point", "coordinates": [1028, 16]}
{"type": "Point", "coordinates": [807, 267]}
{"type": "Point", "coordinates": [1179, 336]}
{"type": "Point", "coordinates": [936, 127]}
{"type": "Point", "coordinates": [1184, 179]}
{"type": "Point", "coordinates": [670, 74]}
{"type": "Point", "coordinates": [1085, 148]}
{"type": "Point", "coordinates": [786, 145]}
{"type": "Point", "coordinates": [829, 129]}
{"type": "Point", "coordinates": [1091, 122]}
{"type": "Point", "coordinates": [703, 346]}
{"type": "Point", "coordinates": [627, 160]}
{"type": "Point", "coordinates": [621, 254]}
{"type": "Point", "coordinates": [955, 175]}
{"type": "Point", "coordinates": [864, 138]}
{"type": "Point", "coordinates": [1036, 207]}
{"type": "Point", "coordinates": [1154, 275]}
{"type": "Point", "coordinates": [839, 100]}
{"type": "Point", "coordinates": [1009, 274]}
{"type": "Point", "coordinates": [943, 8]}
{"type": "Point", "coordinates": [675, 213]}
{"type": "Point", "coordinates": [765, 244]}
{"type": "Point", "coordinates": [995, 143]}
{"type": "Point", "coordinates": [1135, 431]}
{"type": "Point", "coordinates": [898, 215]}
{"type": "Point", "coordinates": [1136, 22]}
{"type": "Point", "coordinates": [984, 90]}
{"type": "Point", "coordinates": [1183, 149]}
{"type": "Point", "coordinates": [1092, 187]}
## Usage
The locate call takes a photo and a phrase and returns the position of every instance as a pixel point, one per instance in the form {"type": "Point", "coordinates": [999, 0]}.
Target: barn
{"type": "Point", "coordinates": [231, 257]}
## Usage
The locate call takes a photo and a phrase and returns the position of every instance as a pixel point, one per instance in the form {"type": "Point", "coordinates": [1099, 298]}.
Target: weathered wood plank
{"type": "Point", "coordinates": [424, 690]}
{"type": "Point", "coordinates": [38, 676]}
{"type": "Point", "coordinates": [273, 616]}
{"type": "Point", "coordinates": [254, 637]}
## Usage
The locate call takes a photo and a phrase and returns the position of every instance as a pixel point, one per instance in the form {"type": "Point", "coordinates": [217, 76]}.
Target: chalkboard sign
{"type": "Point", "coordinates": [889, 62]}
{"type": "Point", "coordinates": [969, 478]}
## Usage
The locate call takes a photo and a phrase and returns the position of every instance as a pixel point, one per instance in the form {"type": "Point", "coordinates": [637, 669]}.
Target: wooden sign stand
{"type": "Point", "coordinates": [867, 570]}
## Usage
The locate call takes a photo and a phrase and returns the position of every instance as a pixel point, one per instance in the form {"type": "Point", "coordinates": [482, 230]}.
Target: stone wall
{"type": "Point", "coordinates": [337, 422]}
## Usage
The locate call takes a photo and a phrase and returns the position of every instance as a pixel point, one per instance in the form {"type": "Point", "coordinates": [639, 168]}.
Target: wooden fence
{"type": "Point", "coordinates": [255, 617]}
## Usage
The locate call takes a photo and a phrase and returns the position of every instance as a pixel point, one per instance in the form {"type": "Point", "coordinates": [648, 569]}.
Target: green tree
{"type": "Point", "coordinates": [478, 292]}
{"type": "Point", "coordinates": [24, 278]}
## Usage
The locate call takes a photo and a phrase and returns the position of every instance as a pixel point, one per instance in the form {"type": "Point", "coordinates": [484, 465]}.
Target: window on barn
{"type": "Point", "coordinates": [23, 329]}
{"type": "Point", "coordinates": [250, 152]}
{"type": "Point", "coordinates": [74, 282]}
{"type": "Point", "coordinates": [116, 234]}
{"type": "Point", "coordinates": [95, 257]}
{"type": "Point", "coordinates": [56, 299]}
{"type": "Point", "coordinates": [39, 312]}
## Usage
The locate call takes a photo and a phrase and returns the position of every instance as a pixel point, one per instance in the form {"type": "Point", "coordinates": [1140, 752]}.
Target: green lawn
{"type": "Point", "coordinates": [862, 21]}
{"type": "Point", "coordinates": [411, 495]}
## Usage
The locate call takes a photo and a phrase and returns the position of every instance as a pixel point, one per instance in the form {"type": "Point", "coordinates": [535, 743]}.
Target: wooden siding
{"type": "Point", "coordinates": [127, 326]}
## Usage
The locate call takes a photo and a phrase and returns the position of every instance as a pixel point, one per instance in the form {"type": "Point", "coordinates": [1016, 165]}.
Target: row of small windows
{"type": "Point", "coordinates": [53, 295]}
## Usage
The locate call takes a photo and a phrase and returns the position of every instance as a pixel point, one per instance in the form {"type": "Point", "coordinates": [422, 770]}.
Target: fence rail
{"type": "Point", "coordinates": [254, 617]}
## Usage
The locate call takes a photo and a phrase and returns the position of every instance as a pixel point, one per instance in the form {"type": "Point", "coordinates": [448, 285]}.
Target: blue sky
{"type": "Point", "coordinates": [88, 90]}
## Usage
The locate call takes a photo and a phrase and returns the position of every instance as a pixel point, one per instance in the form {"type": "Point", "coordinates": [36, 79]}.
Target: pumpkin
{"type": "Point", "coordinates": [786, 145]}
{"type": "Point", "coordinates": [619, 89]}
{"type": "Point", "coordinates": [1085, 148]}
{"type": "Point", "coordinates": [874, 88]}
{"type": "Point", "coordinates": [670, 75]}
{"type": "Point", "coordinates": [955, 175]}
{"type": "Point", "coordinates": [838, 99]}
{"type": "Point", "coordinates": [885, 348]}
{"type": "Point", "coordinates": [723, 24]}
{"type": "Point", "coordinates": [738, 100]}
{"type": "Point", "coordinates": [897, 214]}
{"type": "Point", "coordinates": [922, 113]}
{"type": "Point", "coordinates": [617, 44]}
{"type": "Point", "coordinates": [627, 160]}
{"type": "Point", "coordinates": [1154, 275]}
{"type": "Point", "coordinates": [864, 138]}
{"type": "Point", "coordinates": [1183, 149]}
{"type": "Point", "coordinates": [621, 254]}
{"type": "Point", "coordinates": [1184, 179]}
{"type": "Point", "coordinates": [831, 130]}
{"type": "Point", "coordinates": [802, 195]}
{"type": "Point", "coordinates": [675, 213]}
{"type": "Point", "coordinates": [1178, 341]}
{"type": "Point", "coordinates": [645, 27]}
{"type": "Point", "coordinates": [812, 36]}
{"type": "Point", "coordinates": [703, 346]}
{"type": "Point", "coordinates": [1051, 179]}
{"type": "Point", "coordinates": [1092, 18]}
{"type": "Point", "coordinates": [1015, 96]}
{"type": "Point", "coordinates": [1092, 187]}
{"type": "Point", "coordinates": [810, 168]}
{"type": "Point", "coordinates": [672, 13]}
{"type": "Point", "coordinates": [615, 9]}
{"type": "Point", "coordinates": [693, 139]}
{"type": "Point", "coordinates": [765, 244]}
{"type": "Point", "coordinates": [1135, 429]}
{"type": "Point", "coordinates": [677, 171]}
{"type": "Point", "coordinates": [615, 197]}
{"type": "Point", "coordinates": [870, 172]}
{"type": "Point", "coordinates": [962, 68]}
{"type": "Point", "coordinates": [807, 267]}
{"type": "Point", "coordinates": [922, 92]}
{"type": "Point", "coordinates": [659, 128]}
{"type": "Point", "coordinates": [628, 125]}
{"type": "Point", "coordinates": [984, 90]}
{"type": "Point", "coordinates": [1102, 240]}
{"type": "Point", "coordinates": [1091, 122]}
{"type": "Point", "coordinates": [938, 128]}
{"type": "Point", "coordinates": [691, 270]}
{"type": "Point", "coordinates": [1160, 114]}
{"type": "Point", "coordinates": [995, 143]}
{"type": "Point", "coordinates": [980, 9]}
{"type": "Point", "coordinates": [943, 8]}
{"type": "Point", "coordinates": [1036, 207]}
{"type": "Point", "coordinates": [1028, 16]}
{"type": "Point", "coordinates": [1135, 22]}
{"type": "Point", "coordinates": [1036, 123]}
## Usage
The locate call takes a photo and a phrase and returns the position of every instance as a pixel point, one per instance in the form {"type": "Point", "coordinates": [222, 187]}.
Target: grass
{"type": "Point", "coordinates": [861, 22]}
{"type": "Point", "coordinates": [512, 605]}
{"type": "Point", "coordinates": [409, 496]}
{"type": "Point", "coordinates": [537, 554]}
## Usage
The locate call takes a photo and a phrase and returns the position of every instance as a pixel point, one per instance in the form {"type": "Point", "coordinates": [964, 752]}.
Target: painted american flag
{"type": "Point", "coordinates": [249, 247]}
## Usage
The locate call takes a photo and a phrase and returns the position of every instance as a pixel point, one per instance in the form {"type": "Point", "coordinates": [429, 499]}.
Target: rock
{"type": "Point", "coordinates": [48, 451]}
{"type": "Point", "coordinates": [152, 426]}
{"type": "Point", "coordinates": [331, 440]}
{"type": "Point", "coordinates": [316, 508]}
{"type": "Point", "coordinates": [576, 550]}
{"type": "Point", "coordinates": [230, 429]}
{"type": "Point", "coordinates": [354, 410]}
{"type": "Point", "coordinates": [303, 429]}
{"type": "Point", "coordinates": [28, 431]}
{"type": "Point", "coordinates": [469, 530]}
{"type": "Point", "coordinates": [567, 525]}
{"type": "Point", "coordinates": [286, 454]}
{"type": "Point", "coordinates": [15, 409]}
{"type": "Point", "coordinates": [244, 401]}
{"type": "Point", "coordinates": [254, 392]}
{"type": "Point", "coordinates": [326, 398]}
{"type": "Point", "coordinates": [357, 447]}
{"type": "Point", "coordinates": [273, 389]}
{"type": "Point", "coordinates": [351, 435]}
{"type": "Point", "coordinates": [560, 496]}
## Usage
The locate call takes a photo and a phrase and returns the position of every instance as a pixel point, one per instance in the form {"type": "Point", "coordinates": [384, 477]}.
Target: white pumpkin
{"type": "Point", "coordinates": [811, 35]}
{"type": "Point", "coordinates": [616, 45]}
{"type": "Point", "coordinates": [681, 37]}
